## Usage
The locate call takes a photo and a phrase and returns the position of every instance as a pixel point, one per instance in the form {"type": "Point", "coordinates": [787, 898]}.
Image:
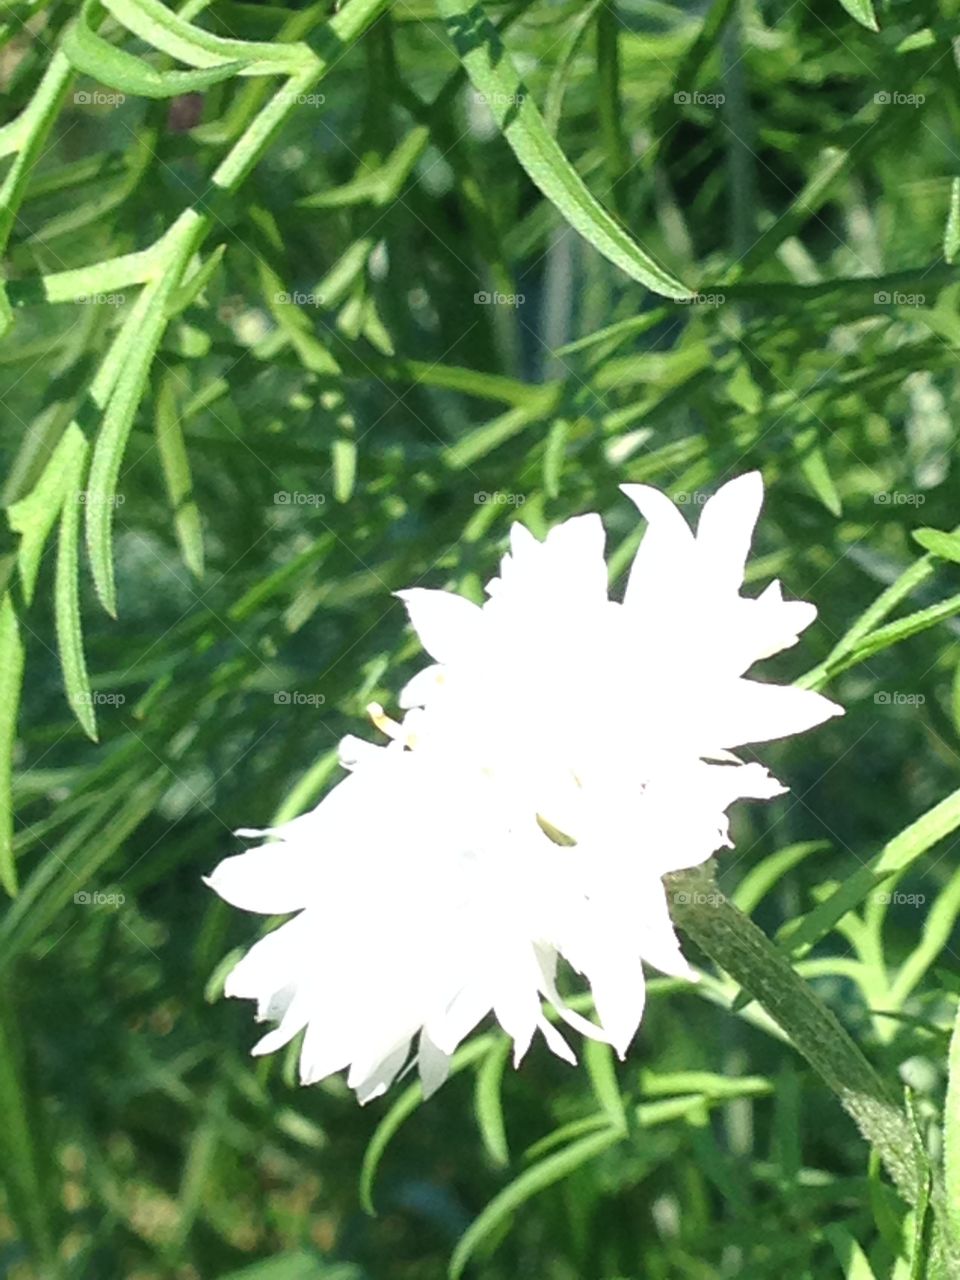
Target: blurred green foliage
{"type": "Point", "coordinates": [293, 326]}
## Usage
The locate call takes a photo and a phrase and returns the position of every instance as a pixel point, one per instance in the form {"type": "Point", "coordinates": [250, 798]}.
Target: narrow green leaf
{"type": "Point", "coordinates": [148, 320]}
{"type": "Point", "coordinates": [951, 1133]}
{"type": "Point", "coordinates": [553, 456]}
{"type": "Point", "coordinates": [11, 682]}
{"type": "Point", "coordinates": [492, 73]}
{"type": "Point", "coordinates": [849, 1254]}
{"type": "Point", "coordinates": [34, 515]}
{"type": "Point", "coordinates": [862, 11]}
{"type": "Point", "coordinates": [344, 460]}
{"type": "Point", "coordinates": [488, 1101]}
{"type": "Point", "coordinates": [67, 602]}
{"type": "Point", "coordinates": [951, 233]}
{"type": "Point", "coordinates": [939, 543]}
{"type": "Point", "coordinates": [895, 632]}
{"type": "Point", "coordinates": [491, 435]}
{"type": "Point", "coordinates": [177, 477]}
{"type": "Point", "coordinates": [813, 464]}
{"type": "Point", "coordinates": [170, 33]}
{"type": "Point", "coordinates": [401, 1110]}
{"type": "Point", "coordinates": [601, 1068]}
{"type": "Point", "coordinates": [898, 854]}
{"type": "Point", "coordinates": [96, 57]}
{"type": "Point", "coordinates": [530, 1183]}
{"type": "Point", "coordinates": [187, 293]}
{"type": "Point", "coordinates": [759, 880]}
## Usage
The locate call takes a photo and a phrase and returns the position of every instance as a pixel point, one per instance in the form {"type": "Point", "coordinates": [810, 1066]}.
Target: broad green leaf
{"type": "Point", "coordinates": [34, 516]}
{"type": "Point", "coordinates": [938, 543]}
{"type": "Point", "coordinates": [95, 56]}
{"type": "Point", "coordinates": [67, 599]}
{"type": "Point", "coordinates": [492, 73]}
{"type": "Point", "coordinates": [862, 11]}
{"type": "Point", "coordinates": [544, 1174]}
{"type": "Point", "coordinates": [11, 680]}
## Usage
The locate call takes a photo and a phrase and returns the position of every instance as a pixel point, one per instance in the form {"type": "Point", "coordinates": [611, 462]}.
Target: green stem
{"type": "Point", "coordinates": [735, 943]}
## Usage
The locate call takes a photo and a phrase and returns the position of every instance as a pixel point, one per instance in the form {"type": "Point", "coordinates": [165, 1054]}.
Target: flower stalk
{"type": "Point", "coordinates": [735, 944]}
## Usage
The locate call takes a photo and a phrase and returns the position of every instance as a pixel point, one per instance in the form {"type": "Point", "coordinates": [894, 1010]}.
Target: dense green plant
{"type": "Point", "coordinates": [302, 304]}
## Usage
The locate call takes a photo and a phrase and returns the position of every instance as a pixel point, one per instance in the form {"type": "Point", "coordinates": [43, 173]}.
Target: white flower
{"type": "Point", "coordinates": [560, 755]}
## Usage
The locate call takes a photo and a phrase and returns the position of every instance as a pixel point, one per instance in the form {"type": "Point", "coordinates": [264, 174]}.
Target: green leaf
{"type": "Point", "coordinates": [862, 10]}
{"type": "Point", "coordinates": [344, 460]}
{"type": "Point", "coordinates": [148, 320]}
{"type": "Point", "coordinates": [186, 294]}
{"type": "Point", "coordinates": [177, 477]}
{"type": "Point", "coordinates": [95, 56]}
{"type": "Point", "coordinates": [951, 1133]}
{"type": "Point", "coordinates": [503, 1206]}
{"type": "Point", "coordinates": [493, 75]}
{"type": "Point", "coordinates": [849, 1254]}
{"type": "Point", "coordinates": [67, 601]}
{"type": "Point", "coordinates": [554, 454]}
{"type": "Point", "coordinates": [170, 33]}
{"type": "Point", "coordinates": [402, 1109]}
{"type": "Point", "coordinates": [951, 232]}
{"type": "Point", "coordinates": [896, 856]}
{"type": "Point", "coordinates": [488, 1101]}
{"type": "Point", "coordinates": [11, 681]}
{"type": "Point", "coordinates": [34, 515]}
{"type": "Point", "coordinates": [813, 464]}
{"type": "Point", "coordinates": [939, 543]}
{"type": "Point", "coordinates": [598, 1058]}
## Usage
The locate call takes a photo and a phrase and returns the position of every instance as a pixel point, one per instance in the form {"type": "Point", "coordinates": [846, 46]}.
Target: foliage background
{"type": "Point", "coordinates": [330, 414]}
